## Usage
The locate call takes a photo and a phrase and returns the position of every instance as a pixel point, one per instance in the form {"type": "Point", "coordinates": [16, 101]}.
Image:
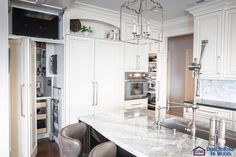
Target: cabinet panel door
{"type": "Point", "coordinates": [161, 79]}
{"type": "Point", "coordinates": [130, 57]}
{"type": "Point", "coordinates": [209, 27]}
{"type": "Point", "coordinates": [79, 76]}
{"type": "Point", "coordinates": [142, 58]}
{"type": "Point", "coordinates": [230, 54]}
{"type": "Point", "coordinates": [127, 34]}
{"type": "Point", "coordinates": [109, 75]}
{"type": "Point", "coordinates": [20, 145]}
{"type": "Point", "coordinates": [155, 47]}
{"type": "Point", "coordinates": [32, 96]}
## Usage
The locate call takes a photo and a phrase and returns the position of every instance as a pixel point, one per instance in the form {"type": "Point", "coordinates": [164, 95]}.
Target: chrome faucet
{"type": "Point", "coordinates": [196, 68]}
{"type": "Point", "coordinates": [158, 122]}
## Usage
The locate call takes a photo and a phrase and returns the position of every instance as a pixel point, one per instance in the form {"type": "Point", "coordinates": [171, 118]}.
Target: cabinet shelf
{"type": "Point", "coordinates": [38, 48]}
{"type": "Point", "coordinates": [41, 104]}
{"type": "Point", "coordinates": [42, 130]}
{"type": "Point", "coordinates": [43, 98]}
{"type": "Point", "coordinates": [152, 62]}
{"type": "Point", "coordinates": [152, 92]}
{"type": "Point", "coordinates": [151, 106]}
{"type": "Point", "coordinates": [41, 116]}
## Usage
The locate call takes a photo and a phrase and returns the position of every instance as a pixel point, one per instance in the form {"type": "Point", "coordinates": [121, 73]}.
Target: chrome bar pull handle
{"type": "Point", "coordinates": [93, 93]}
{"type": "Point", "coordinates": [21, 100]}
{"type": "Point", "coordinates": [136, 61]}
{"type": "Point", "coordinates": [96, 83]}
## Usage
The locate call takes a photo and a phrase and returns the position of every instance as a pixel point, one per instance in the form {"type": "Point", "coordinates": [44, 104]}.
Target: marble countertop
{"type": "Point", "coordinates": [135, 132]}
{"type": "Point", "coordinates": [217, 104]}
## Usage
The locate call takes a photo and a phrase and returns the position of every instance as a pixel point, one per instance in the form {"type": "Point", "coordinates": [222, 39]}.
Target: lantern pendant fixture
{"type": "Point", "coordinates": [141, 28]}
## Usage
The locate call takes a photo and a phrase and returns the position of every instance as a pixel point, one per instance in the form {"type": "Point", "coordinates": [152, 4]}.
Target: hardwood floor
{"type": "Point", "coordinates": [46, 148]}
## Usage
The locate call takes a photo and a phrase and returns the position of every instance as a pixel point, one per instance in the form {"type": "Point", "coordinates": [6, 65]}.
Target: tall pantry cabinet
{"type": "Point", "coordinates": [22, 100]}
{"type": "Point", "coordinates": [27, 66]}
{"type": "Point", "coordinates": [94, 76]}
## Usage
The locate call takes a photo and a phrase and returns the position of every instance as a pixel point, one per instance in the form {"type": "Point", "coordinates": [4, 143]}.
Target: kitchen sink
{"type": "Point", "coordinates": [180, 124]}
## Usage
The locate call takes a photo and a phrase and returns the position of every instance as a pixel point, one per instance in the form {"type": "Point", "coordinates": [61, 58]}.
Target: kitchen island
{"type": "Point", "coordinates": [135, 132]}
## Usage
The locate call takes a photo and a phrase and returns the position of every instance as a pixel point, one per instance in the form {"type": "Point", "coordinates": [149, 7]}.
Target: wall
{"type": "Point", "coordinates": [4, 105]}
{"type": "Point", "coordinates": [176, 66]}
{"type": "Point", "coordinates": [221, 90]}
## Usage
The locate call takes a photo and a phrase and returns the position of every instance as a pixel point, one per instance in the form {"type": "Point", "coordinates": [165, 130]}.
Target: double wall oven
{"type": "Point", "coordinates": [136, 85]}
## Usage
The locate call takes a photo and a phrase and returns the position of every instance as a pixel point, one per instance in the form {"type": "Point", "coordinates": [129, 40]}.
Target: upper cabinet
{"type": "Point", "coordinates": [216, 22]}
{"type": "Point", "coordinates": [209, 27]}
{"type": "Point", "coordinates": [136, 58]}
{"type": "Point", "coordinates": [230, 46]}
{"type": "Point", "coordinates": [155, 47]}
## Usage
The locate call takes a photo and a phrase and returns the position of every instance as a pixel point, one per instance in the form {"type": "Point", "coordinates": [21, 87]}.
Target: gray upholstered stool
{"type": "Point", "coordinates": [70, 139]}
{"type": "Point", "coordinates": [106, 149]}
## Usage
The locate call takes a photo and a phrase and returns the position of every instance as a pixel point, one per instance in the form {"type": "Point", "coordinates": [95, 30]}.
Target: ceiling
{"type": "Point", "coordinates": [172, 8]}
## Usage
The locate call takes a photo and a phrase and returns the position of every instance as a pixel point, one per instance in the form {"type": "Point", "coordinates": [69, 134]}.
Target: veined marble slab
{"type": "Point", "coordinates": [135, 132]}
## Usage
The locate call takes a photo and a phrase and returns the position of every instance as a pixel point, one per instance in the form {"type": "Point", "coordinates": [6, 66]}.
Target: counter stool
{"type": "Point", "coordinates": [106, 149]}
{"type": "Point", "coordinates": [70, 138]}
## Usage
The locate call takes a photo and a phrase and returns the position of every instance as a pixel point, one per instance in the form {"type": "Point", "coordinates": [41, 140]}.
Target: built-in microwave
{"type": "Point", "coordinates": [35, 24]}
{"type": "Point", "coordinates": [136, 85]}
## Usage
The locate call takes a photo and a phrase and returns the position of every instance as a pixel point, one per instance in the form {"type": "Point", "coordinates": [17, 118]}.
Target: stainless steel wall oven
{"type": "Point", "coordinates": [136, 85]}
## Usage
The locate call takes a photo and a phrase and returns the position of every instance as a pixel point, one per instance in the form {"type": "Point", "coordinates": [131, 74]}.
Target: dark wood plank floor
{"type": "Point", "coordinates": [46, 148]}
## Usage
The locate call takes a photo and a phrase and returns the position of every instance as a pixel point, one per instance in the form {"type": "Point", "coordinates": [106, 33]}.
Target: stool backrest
{"type": "Point", "coordinates": [70, 138]}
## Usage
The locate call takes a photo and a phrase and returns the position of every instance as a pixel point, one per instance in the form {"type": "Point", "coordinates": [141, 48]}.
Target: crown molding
{"type": "Point", "coordinates": [213, 6]}
{"type": "Point", "coordinates": [178, 26]}
{"type": "Point", "coordinates": [83, 7]}
{"type": "Point", "coordinates": [179, 20]}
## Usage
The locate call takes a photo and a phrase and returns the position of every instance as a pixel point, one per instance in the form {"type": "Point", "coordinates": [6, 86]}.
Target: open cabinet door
{"type": "Point", "coordinates": [22, 98]}
{"type": "Point", "coordinates": [32, 97]}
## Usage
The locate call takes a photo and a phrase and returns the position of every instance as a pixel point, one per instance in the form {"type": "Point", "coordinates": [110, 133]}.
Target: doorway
{"type": "Point", "coordinates": [180, 81]}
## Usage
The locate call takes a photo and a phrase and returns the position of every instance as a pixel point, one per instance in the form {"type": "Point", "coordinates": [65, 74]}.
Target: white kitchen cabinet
{"type": "Point", "coordinates": [230, 46]}
{"type": "Point", "coordinates": [136, 58]}
{"type": "Point", "coordinates": [94, 76]}
{"type": "Point", "coordinates": [134, 104]}
{"type": "Point", "coordinates": [130, 57]}
{"type": "Point", "coordinates": [127, 31]}
{"type": "Point", "coordinates": [142, 60]}
{"type": "Point", "coordinates": [204, 113]}
{"type": "Point", "coordinates": [154, 47]}
{"type": "Point", "coordinates": [161, 79]}
{"type": "Point", "coordinates": [22, 98]}
{"type": "Point", "coordinates": [79, 63]}
{"type": "Point", "coordinates": [209, 27]}
{"type": "Point", "coordinates": [109, 75]}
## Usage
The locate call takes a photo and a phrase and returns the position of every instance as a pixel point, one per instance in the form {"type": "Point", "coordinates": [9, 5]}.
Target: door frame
{"type": "Point", "coordinates": [166, 45]}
